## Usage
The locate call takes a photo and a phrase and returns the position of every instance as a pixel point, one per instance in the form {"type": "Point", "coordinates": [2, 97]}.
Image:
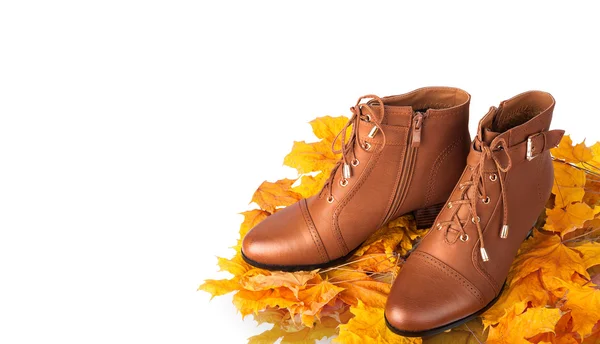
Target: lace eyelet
{"type": "Point", "coordinates": [493, 177]}
{"type": "Point", "coordinates": [367, 118]}
{"type": "Point", "coordinates": [438, 227]}
{"type": "Point", "coordinates": [343, 182]}
{"type": "Point", "coordinates": [464, 237]}
{"type": "Point", "coordinates": [367, 146]}
{"type": "Point", "coordinates": [355, 162]}
{"type": "Point", "coordinates": [449, 205]}
{"type": "Point", "coordinates": [330, 199]}
{"type": "Point", "coordinates": [473, 220]}
{"type": "Point", "coordinates": [485, 200]}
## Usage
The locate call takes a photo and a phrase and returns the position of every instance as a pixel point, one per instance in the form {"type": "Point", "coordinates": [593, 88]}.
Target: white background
{"type": "Point", "coordinates": [133, 132]}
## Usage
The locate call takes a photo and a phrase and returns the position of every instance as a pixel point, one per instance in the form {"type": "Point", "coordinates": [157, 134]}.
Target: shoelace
{"type": "Point", "coordinates": [360, 112]}
{"type": "Point", "coordinates": [477, 180]}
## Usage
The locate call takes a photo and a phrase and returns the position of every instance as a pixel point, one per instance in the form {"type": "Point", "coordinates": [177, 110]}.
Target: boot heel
{"type": "Point", "coordinates": [425, 216]}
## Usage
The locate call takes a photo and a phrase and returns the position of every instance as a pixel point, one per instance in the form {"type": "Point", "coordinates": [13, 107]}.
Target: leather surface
{"type": "Point", "coordinates": [381, 187]}
{"type": "Point", "coordinates": [527, 185]}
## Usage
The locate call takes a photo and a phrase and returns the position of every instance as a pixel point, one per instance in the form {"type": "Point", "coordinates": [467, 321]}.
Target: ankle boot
{"type": "Point", "coordinates": [458, 270]}
{"type": "Point", "coordinates": [404, 154]}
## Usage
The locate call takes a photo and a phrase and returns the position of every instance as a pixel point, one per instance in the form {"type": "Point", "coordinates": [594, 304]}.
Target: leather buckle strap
{"type": "Point", "coordinates": [530, 147]}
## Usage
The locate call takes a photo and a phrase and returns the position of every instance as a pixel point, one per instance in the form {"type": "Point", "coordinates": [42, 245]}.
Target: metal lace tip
{"type": "Point", "coordinates": [484, 255]}
{"type": "Point", "coordinates": [504, 232]}
{"type": "Point", "coordinates": [373, 132]}
{"type": "Point", "coordinates": [347, 171]}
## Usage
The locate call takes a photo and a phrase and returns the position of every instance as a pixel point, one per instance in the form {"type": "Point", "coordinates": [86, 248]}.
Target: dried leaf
{"type": "Point", "coordinates": [219, 287]}
{"type": "Point", "coordinates": [574, 154]}
{"type": "Point", "coordinates": [269, 196]}
{"type": "Point", "coordinates": [517, 328]}
{"type": "Point", "coordinates": [325, 328]}
{"type": "Point", "coordinates": [368, 326]}
{"type": "Point", "coordinates": [568, 219]}
{"type": "Point", "coordinates": [568, 184]}
{"type": "Point", "coordinates": [584, 304]}
{"type": "Point", "coordinates": [549, 256]}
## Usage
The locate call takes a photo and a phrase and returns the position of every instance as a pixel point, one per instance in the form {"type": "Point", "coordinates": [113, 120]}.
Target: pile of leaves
{"type": "Point", "coordinates": [551, 294]}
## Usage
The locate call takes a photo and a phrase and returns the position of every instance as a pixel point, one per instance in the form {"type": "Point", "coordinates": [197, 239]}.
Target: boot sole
{"type": "Point", "coordinates": [444, 328]}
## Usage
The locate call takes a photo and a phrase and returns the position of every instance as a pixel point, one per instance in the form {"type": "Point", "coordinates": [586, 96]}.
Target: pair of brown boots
{"type": "Point", "coordinates": [412, 153]}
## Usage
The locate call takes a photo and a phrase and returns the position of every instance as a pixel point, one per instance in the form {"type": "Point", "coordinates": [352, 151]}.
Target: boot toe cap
{"type": "Point", "coordinates": [281, 241]}
{"type": "Point", "coordinates": [429, 295]}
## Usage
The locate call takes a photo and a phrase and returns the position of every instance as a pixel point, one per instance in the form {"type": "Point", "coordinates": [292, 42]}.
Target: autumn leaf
{"type": "Point", "coordinates": [368, 326]}
{"type": "Point", "coordinates": [311, 185]}
{"type": "Point", "coordinates": [568, 219]}
{"type": "Point", "coordinates": [251, 302]}
{"type": "Point", "coordinates": [573, 154]}
{"type": "Point", "coordinates": [325, 328]}
{"type": "Point", "coordinates": [551, 257]}
{"type": "Point", "coordinates": [311, 157]}
{"type": "Point", "coordinates": [360, 287]}
{"type": "Point", "coordinates": [219, 287]}
{"type": "Point", "coordinates": [269, 196]}
{"type": "Point", "coordinates": [256, 280]}
{"type": "Point", "coordinates": [584, 304]}
{"type": "Point", "coordinates": [590, 253]}
{"type": "Point", "coordinates": [528, 290]}
{"type": "Point", "coordinates": [516, 328]}
{"type": "Point", "coordinates": [568, 184]}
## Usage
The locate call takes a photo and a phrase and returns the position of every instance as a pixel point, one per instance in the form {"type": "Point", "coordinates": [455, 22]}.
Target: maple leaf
{"type": "Point", "coordinates": [516, 328]}
{"type": "Point", "coordinates": [568, 219]}
{"type": "Point", "coordinates": [325, 328]}
{"type": "Point", "coordinates": [269, 196]}
{"type": "Point", "coordinates": [549, 256]}
{"type": "Point", "coordinates": [311, 185]}
{"type": "Point", "coordinates": [251, 302]}
{"type": "Point", "coordinates": [573, 154]}
{"type": "Point", "coordinates": [528, 290]}
{"type": "Point", "coordinates": [584, 304]}
{"type": "Point", "coordinates": [358, 286]}
{"type": "Point", "coordinates": [568, 184]}
{"type": "Point", "coordinates": [368, 326]}
{"type": "Point", "coordinates": [219, 287]}
{"type": "Point", "coordinates": [590, 252]}
{"type": "Point", "coordinates": [256, 280]}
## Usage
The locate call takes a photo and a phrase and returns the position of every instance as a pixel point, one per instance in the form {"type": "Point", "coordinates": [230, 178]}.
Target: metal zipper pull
{"type": "Point", "coordinates": [417, 124]}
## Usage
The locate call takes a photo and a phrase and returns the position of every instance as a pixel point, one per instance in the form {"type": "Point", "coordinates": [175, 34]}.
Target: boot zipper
{"type": "Point", "coordinates": [414, 140]}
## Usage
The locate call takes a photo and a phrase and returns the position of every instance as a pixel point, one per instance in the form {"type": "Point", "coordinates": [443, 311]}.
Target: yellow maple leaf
{"type": "Point", "coordinates": [327, 327]}
{"type": "Point", "coordinates": [328, 127]}
{"type": "Point", "coordinates": [313, 299]}
{"type": "Point", "coordinates": [251, 302]}
{"type": "Point", "coordinates": [528, 290]}
{"type": "Point", "coordinates": [574, 154]}
{"type": "Point", "coordinates": [269, 196]}
{"type": "Point", "coordinates": [515, 328]}
{"type": "Point", "coordinates": [568, 219]}
{"type": "Point", "coordinates": [590, 253]}
{"type": "Point", "coordinates": [358, 286]}
{"type": "Point", "coordinates": [258, 279]}
{"type": "Point", "coordinates": [311, 185]}
{"type": "Point", "coordinates": [368, 327]}
{"type": "Point", "coordinates": [549, 256]}
{"type": "Point", "coordinates": [568, 184]}
{"type": "Point", "coordinates": [584, 304]}
{"type": "Point", "coordinates": [219, 287]}
{"type": "Point", "coordinates": [311, 157]}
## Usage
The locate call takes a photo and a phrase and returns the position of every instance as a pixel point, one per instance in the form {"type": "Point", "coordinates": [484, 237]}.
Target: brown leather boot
{"type": "Point", "coordinates": [405, 154]}
{"type": "Point", "coordinates": [459, 268]}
